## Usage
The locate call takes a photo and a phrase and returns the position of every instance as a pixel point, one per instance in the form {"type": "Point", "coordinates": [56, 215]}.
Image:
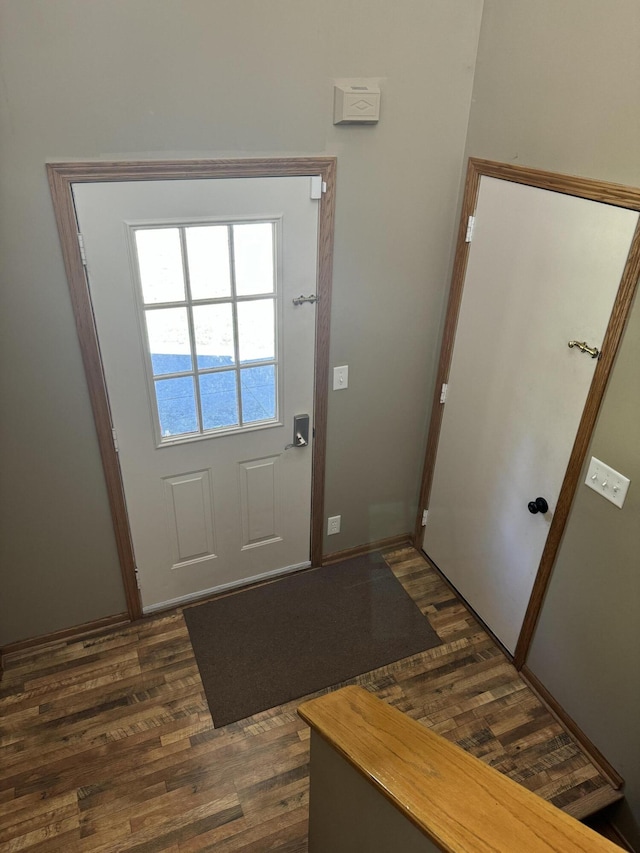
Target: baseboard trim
{"type": "Point", "coordinates": [597, 758]}
{"type": "Point", "coordinates": [601, 823]}
{"type": "Point", "coordinates": [554, 707]}
{"type": "Point", "coordinates": [64, 634]}
{"type": "Point", "coordinates": [620, 839]}
{"type": "Point", "coordinates": [360, 550]}
{"type": "Point", "coordinates": [123, 618]}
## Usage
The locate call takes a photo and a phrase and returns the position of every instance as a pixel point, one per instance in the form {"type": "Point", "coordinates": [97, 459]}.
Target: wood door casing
{"type": "Point", "coordinates": [544, 268]}
{"type": "Point", "coordinates": [614, 194]}
{"type": "Point", "coordinates": [61, 177]}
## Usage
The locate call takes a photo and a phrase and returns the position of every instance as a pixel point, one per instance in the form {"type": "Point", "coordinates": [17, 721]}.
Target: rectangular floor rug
{"type": "Point", "coordinates": [265, 646]}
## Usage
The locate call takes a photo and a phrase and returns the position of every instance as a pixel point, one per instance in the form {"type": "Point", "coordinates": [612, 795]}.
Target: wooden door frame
{"type": "Point", "coordinates": [61, 178]}
{"type": "Point", "coordinates": [600, 191]}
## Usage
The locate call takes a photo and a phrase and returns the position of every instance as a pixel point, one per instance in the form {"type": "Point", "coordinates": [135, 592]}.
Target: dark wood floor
{"type": "Point", "coordinates": [106, 743]}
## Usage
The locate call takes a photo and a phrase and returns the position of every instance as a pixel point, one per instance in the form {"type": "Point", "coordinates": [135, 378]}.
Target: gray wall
{"type": "Point", "coordinates": [347, 813]}
{"type": "Point", "coordinates": [188, 78]}
{"type": "Point", "coordinates": [558, 87]}
{"type": "Point", "coordinates": [587, 646]}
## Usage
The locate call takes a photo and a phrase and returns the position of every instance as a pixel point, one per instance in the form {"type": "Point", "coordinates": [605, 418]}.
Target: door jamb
{"type": "Point", "coordinates": [594, 190]}
{"type": "Point", "coordinates": [61, 177]}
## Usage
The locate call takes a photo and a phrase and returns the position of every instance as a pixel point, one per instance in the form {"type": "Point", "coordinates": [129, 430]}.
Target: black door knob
{"type": "Point", "coordinates": [539, 505]}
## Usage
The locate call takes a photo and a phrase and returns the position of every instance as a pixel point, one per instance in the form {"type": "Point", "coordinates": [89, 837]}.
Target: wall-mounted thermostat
{"type": "Point", "coordinates": [356, 103]}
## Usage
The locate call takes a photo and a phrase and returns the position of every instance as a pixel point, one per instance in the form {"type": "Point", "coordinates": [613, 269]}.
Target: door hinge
{"type": "Point", "coordinates": [425, 513]}
{"type": "Point", "coordinates": [443, 392]}
{"type": "Point", "coordinates": [471, 223]}
{"type": "Point", "coordinates": [83, 254]}
{"type": "Point", "coordinates": [318, 186]}
{"type": "Point", "coordinates": [115, 440]}
{"type": "Point", "coordinates": [137, 574]}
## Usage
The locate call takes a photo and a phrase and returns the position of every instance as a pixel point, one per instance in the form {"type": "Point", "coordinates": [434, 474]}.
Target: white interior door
{"type": "Point", "coordinates": [543, 269]}
{"type": "Point", "coordinates": [207, 360]}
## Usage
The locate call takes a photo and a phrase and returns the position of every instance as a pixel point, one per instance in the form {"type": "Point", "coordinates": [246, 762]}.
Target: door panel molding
{"type": "Point", "coordinates": [61, 177]}
{"type": "Point", "coordinates": [190, 517]}
{"type": "Point", "coordinates": [599, 191]}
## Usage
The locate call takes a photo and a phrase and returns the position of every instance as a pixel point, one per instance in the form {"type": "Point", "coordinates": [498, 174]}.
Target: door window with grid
{"type": "Point", "coordinates": [208, 300]}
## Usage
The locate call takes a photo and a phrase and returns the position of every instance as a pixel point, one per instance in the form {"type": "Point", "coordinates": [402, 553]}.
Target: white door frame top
{"type": "Point", "coordinates": [61, 178]}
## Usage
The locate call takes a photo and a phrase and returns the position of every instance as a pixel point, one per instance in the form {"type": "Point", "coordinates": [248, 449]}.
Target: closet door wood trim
{"type": "Point", "coordinates": [594, 190]}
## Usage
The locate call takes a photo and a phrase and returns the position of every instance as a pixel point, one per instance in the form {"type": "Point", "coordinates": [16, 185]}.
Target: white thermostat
{"type": "Point", "coordinates": [356, 103]}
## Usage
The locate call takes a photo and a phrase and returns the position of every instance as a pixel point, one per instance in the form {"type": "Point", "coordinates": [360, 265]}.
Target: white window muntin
{"type": "Point", "coordinates": [189, 303]}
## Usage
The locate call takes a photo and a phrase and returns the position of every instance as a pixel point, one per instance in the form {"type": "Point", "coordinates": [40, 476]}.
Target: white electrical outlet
{"type": "Point", "coordinates": [340, 377]}
{"type": "Point", "coordinates": [607, 482]}
{"type": "Point", "coordinates": [333, 524]}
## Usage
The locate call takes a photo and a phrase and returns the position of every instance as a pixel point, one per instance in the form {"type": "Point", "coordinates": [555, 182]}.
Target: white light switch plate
{"type": "Point", "coordinates": [340, 377]}
{"type": "Point", "coordinates": [607, 482]}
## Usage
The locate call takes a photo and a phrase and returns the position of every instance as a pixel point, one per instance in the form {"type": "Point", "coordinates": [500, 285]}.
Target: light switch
{"type": "Point", "coordinates": [340, 377]}
{"type": "Point", "coordinates": [607, 482]}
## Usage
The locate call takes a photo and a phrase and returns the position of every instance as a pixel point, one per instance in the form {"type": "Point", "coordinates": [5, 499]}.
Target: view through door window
{"type": "Point", "coordinates": [208, 295]}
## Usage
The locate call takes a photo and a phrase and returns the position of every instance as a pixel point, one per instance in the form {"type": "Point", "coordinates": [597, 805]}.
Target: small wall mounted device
{"type": "Point", "coordinates": [356, 103]}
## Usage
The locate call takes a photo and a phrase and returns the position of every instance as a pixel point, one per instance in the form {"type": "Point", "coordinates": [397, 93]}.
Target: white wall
{"type": "Point", "coordinates": [191, 78]}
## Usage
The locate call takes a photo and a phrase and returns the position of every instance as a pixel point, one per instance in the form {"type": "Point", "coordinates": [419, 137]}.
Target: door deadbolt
{"type": "Point", "coordinates": [300, 432]}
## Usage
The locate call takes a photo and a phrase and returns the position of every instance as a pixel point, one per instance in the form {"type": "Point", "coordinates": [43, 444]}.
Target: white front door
{"type": "Point", "coordinates": [543, 269]}
{"type": "Point", "coordinates": [207, 360]}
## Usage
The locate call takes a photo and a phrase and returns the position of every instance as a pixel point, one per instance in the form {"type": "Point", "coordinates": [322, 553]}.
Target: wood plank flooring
{"type": "Point", "coordinates": [107, 745]}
